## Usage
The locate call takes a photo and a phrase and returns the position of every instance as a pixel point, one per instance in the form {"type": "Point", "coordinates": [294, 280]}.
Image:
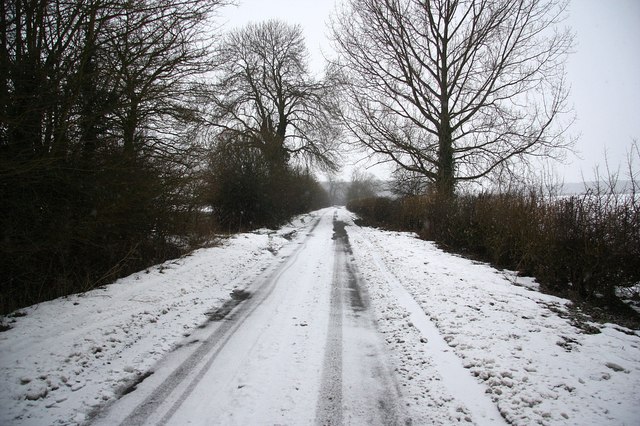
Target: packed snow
{"type": "Point", "coordinates": [464, 342]}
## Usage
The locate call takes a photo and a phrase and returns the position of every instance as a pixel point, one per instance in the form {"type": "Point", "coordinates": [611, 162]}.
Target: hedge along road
{"type": "Point", "coordinates": [295, 343]}
{"type": "Point", "coordinates": [297, 346]}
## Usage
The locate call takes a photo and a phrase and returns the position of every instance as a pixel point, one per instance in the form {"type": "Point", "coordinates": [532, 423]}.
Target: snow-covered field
{"type": "Point", "coordinates": [460, 336]}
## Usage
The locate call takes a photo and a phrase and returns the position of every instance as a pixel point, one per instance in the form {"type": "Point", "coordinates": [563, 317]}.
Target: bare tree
{"type": "Point", "coordinates": [362, 185]}
{"type": "Point", "coordinates": [267, 99]}
{"type": "Point", "coordinates": [93, 118]}
{"type": "Point", "coordinates": [456, 90]}
{"type": "Point", "coordinates": [407, 183]}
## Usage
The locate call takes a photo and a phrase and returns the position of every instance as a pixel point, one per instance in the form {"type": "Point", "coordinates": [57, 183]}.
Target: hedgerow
{"type": "Point", "coordinates": [582, 246]}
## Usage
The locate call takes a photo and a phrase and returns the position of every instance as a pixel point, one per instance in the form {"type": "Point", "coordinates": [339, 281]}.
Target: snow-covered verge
{"type": "Point", "coordinates": [62, 359]}
{"type": "Point", "coordinates": [536, 364]}
{"type": "Point", "coordinates": [520, 348]}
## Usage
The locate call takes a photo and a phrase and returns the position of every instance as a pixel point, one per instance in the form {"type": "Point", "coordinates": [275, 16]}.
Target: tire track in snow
{"type": "Point", "coordinates": [244, 371]}
{"type": "Point", "coordinates": [329, 411]}
{"type": "Point", "coordinates": [173, 388]}
{"type": "Point", "coordinates": [357, 386]}
{"type": "Point", "coordinates": [455, 377]}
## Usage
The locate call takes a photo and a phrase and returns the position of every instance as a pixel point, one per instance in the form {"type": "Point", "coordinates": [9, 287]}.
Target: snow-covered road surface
{"type": "Point", "coordinates": [278, 359]}
{"type": "Point", "coordinates": [320, 322]}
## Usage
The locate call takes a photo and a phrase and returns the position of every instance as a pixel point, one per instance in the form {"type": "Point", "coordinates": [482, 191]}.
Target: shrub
{"type": "Point", "coordinates": [583, 247]}
{"type": "Point", "coordinates": [377, 211]}
{"type": "Point", "coordinates": [592, 245]}
{"type": "Point", "coordinates": [245, 191]}
{"type": "Point", "coordinates": [66, 230]}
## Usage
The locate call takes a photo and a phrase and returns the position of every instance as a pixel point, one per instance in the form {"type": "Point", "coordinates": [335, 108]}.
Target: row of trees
{"type": "Point", "coordinates": [123, 119]}
{"type": "Point", "coordinates": [95, 138]}
{"type": "Point", "coordinates": [112, 142]}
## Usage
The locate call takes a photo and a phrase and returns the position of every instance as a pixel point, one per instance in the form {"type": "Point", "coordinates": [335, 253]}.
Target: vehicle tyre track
{"type": "Point", "coordinates": [329, 411]}
{"type": "Point", "coordinates": [298, 346]}
{"type": "Point", "coordinates": [354, 358]}
{"type": "Point", "coordinates": [179, 384]}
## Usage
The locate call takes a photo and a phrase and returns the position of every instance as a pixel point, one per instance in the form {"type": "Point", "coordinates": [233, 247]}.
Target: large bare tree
{"type": "Point", "coordinates": [455, 90]}
{"type": "Point", "coordinates": [155, 50]}
{"type": "Point", "coordinates": [267, 99]}
{"type": "Point", "coordinates": [94, 136]}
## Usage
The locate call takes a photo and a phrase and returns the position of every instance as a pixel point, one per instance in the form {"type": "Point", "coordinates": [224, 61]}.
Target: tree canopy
{"type": "Point", "coordinates": [455, 90]}
{"type": "Point", "coordinates": [266, 98]}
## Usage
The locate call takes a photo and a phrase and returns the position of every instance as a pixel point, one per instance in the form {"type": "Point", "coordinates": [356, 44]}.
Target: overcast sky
{"type": "Point", "coordinates": [604, 71]}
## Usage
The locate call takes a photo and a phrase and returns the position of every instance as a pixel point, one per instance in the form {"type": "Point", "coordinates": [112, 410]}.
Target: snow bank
{"type": "Point", "coordinates": [536, 365]}
{"type": "Point", "coordinates": [64, 358]}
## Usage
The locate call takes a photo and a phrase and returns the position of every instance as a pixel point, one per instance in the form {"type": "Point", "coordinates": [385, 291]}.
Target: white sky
{"type": "Point", "coordinates": [605, 77]}
{"type": "Point", "coordinates": [604, 71]}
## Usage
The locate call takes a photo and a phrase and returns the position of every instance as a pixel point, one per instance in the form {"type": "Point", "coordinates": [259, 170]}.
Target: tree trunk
{"type": "Point", "coordinates": [275, 154]}
{"type": "Point", "coordinates": [445, 179]}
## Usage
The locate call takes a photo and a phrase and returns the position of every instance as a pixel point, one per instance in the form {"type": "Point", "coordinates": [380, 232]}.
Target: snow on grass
{"type": "Point", "coordinates": [62, 359]}
{"type": "Point", "coordinates": [520, 344]}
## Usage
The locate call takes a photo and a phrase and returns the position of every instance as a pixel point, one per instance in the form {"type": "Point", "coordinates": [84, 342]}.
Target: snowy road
{"type": "Point", "coordinates": [321, 322]}
{"type": "Point", "coordinates": [300, 349]}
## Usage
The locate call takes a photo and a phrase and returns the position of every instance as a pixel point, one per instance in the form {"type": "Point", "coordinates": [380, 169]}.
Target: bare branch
{"type": "Point", "coordinates": [265, 94]}
{"type": "Point", "coordinates": [455, 89]}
